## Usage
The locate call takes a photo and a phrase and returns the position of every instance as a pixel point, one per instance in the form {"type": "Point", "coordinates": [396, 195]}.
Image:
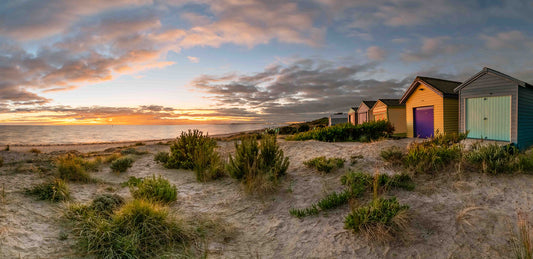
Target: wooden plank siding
{"type": "Point", "coordinates": [395, 115]}
{"type": "Point", "coordinates": [363, 109]}
{"type": "Point", "coordinates": [489, 85]}
{"type": "Point", "coordinates": [424, 96]}
{"type": "Point", "coordinates": [451, 115]}
{"type": "Point", "coordinates": [525, 117]}
{"type": "Point", "coordinates": [397, 118]}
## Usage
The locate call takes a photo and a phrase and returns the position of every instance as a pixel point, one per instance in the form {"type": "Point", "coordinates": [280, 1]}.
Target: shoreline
{"type": "Point", "coordinates": [99, 146]}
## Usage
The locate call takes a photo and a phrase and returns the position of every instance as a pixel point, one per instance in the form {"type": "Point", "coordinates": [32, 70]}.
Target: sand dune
{"type": "Point", "coordinates": [454, 215]}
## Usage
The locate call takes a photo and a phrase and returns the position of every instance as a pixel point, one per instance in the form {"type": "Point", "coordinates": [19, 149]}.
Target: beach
{"type": "Point", "coordinates": [454, 214]}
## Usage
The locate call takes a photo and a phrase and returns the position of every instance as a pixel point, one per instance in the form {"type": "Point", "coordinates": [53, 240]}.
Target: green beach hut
{"type": "Point", "coordinates": [495, 106]}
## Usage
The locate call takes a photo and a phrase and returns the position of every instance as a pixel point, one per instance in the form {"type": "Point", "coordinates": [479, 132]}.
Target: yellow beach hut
{"type": "Point", "coordinates": [393, 111]}
{"type": "Point", "coordinates": [431, 106]}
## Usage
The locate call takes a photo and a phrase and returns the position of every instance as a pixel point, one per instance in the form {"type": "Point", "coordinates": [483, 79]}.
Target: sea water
{"type": "Point", "coordinates": [73, 134]}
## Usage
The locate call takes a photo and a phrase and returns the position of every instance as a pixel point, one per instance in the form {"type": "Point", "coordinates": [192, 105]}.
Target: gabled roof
{"type": "Point", "coordinates": [487, 70]}
{"type": "Point", "coordinates": [354, 108]}
{"type": "Point", "coordinates": [442, 87]}
{"type": "Point", "coordinates": [368, 104]}
{"type": "Point", "coordinates": [391, 102]}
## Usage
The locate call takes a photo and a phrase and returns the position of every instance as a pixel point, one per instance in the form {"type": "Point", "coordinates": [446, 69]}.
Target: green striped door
{"type": "Point", "coordinates": [489, 118]}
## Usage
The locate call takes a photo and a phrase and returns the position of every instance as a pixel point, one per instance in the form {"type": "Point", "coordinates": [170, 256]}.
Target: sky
{"type": "Point", "coordinates": [233, 61]}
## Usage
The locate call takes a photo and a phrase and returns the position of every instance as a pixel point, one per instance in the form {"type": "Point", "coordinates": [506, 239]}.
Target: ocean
{"type": "Point", "coordinates": [75, 134]}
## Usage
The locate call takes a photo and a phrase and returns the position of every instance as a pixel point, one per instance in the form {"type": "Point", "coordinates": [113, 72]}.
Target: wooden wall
{"type": "Point", "coordinates": [424, 96]}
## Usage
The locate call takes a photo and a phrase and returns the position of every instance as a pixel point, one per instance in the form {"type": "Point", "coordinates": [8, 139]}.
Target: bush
{"type": "Point", "coordinates": [122, 164]}
{"type": "Point", "coordinates": [347, 132]}
{"type": "Point", "coordinates": [494, 159]}
{"type": "Point", "coordinates": [287, 130]}
{"type": "Point", "coordinates": [183, 149]}
{"type": "Point", "coordinates": [259, 167]}
{"type": "Point", "coordinates": [35, 151]}
{"type": "Point", "coordinates": [393, 155]}
{"type": "Point", "coordinates": [105, 204]}
{"type": "Point", "coordinates": [155, 189]}
{"type": "Point", "coordinates": [207, 163]}
{"type": "Point", "coordinates": [525, 162]}
{"type": "Point", "coordinates": [161, 157]}
{"type": "Point", "coordinates": [110, 158]}
{"type": "Point", "coordinates": [53, 190]}
{"type": "Point", "coordinates": [324, 164]}
{"type": "Point", "coordinates": [72, 168]}
{"type": "Point", "coordinates": [138, 229]}
{"type": "Point", "coordinates": [380, 220]}
{"type": "Point", "coordinates": [430, 157]}
{"type": "Point", "coordinates": [303, 128]}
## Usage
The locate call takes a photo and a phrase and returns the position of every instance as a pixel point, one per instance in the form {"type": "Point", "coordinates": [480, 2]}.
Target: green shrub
{"type": "Point", "coordinates": [121, 164]}
{"type": "Point", "coordinates": [53, 190]}
{"type": "Point", "coordinates": [110, 158]}
{"type": "Point", "coordinates": [347, 132]}
{"type": "Point", "coordinates": [525, 162]}
{"type": "Point", "coordinates": [105, 204]}
{"type": "Point", "coordinates": [259, 167]}
{"type": "Point", "coordinates": [494, 159]}
{"type": "Point", "coordinates": [303, 128]}
{"type": "Point", "coordinates": [324, 164]}
{"type": "Point", "coordinates": [393, 155]}
{"type": "Point", "coordinates": [401, 181]}
{"type": "Point", "coordinates": [207, 163]}
{"type": "Point", "coordinates": [138, 229]}
{"type": "Point", "coordinates": [72, 168]}
{"type": "Point", "coordinates": [161, 157]}
{"type": "Point", "coordinates": [183, 149]}
{"type": "Point", "coordinates": [155, 189]}
{"type": "Point", "coordinates": [132, 181]}
{"type": "Point", "coordinates": [287, 130]}
{"type": "Point", "coordinates": [430, 157]}
{"type": "Point", "coordinates": [380, 220]}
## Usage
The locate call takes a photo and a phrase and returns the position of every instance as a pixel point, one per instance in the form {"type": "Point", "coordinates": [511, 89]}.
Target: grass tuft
{"type": "Point", "coordinates": [324, 164]}
{"type": "Point", "coordinates": [138, 229]}
{"type": "Point", "coordinates": [155, 189]}
{"type": "Point", "coordinates": [73, 168]}
{"type": "Point", "coordinates": [522, 242]}
{"type": "Point", "coordinates": [381, 220]}
{"type": "Point", "coordinates": [121, 164]}
{"type": "Point", "coordinates": [393, 155]}
{"type": "Point", "coordinates": [208, 165]}
{"type": "Point", "coordinates": [161, 157]}
{"type": "Point", "coordinates": [54, 190]}
{"type": "Point", "coordinates": [494, 159]}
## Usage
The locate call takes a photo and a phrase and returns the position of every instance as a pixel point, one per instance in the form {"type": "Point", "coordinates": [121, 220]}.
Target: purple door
{"type": "Point", "coordinates": [423, 118]}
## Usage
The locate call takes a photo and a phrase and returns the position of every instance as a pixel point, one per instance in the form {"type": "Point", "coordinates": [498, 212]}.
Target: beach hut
{"type": "Point", "coordinates": [338, 118]}
{"type": "Point", "coordinates": [393, 111]}
{"type": "Point", "coordinates": [352, 115]}
{"type": "Point", "coordinates": [364, 113]}
{"type": "Point", "coordinates": [495, 106]}
{"type": "Point", "coordinates": [431, 106]}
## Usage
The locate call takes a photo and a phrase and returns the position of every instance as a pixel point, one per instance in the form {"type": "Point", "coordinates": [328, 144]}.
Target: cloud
{"type": "Point", "coordinates": [193, 59]}
{"type": "Point", "coordinates": [150, 114]}
{"type": "Point", "coordinates": [431, 48]}
{"type": "Point", "coordinates": [375, 53]}
{"type": "Point", "coordinates": [506, 40]}
{"type": "Point", "coordinates": [302, 89]}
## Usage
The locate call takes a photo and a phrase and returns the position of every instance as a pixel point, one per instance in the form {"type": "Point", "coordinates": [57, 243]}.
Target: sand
{"type": "Point", "coordinates": [454, 214]}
